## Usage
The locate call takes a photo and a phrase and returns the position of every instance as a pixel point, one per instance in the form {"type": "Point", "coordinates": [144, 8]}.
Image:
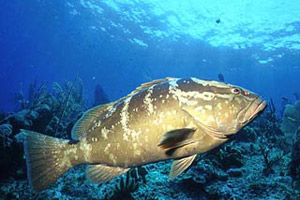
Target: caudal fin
{"type": "Point", "coordinates": [45, 159]}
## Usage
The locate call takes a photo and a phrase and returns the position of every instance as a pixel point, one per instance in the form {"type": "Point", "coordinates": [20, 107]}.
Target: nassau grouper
{"type": "Point", "coordinates": [171, 118]}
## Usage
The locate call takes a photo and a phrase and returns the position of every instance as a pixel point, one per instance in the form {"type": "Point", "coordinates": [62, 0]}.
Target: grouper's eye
{"type": "Point", "coordinates": [236, 90]}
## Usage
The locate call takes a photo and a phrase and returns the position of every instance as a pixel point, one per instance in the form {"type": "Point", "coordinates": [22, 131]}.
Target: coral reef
{"type": "Point", "coordinates": [230, 156]}
{"type": "Point", "coordinates": [259, 162]}
{"type": "Point", "coordinates": [50, 111]}
{"type": "Point", "coordinates": [291, 118]}
{"type": "Point", "coordinates": [124, 189]}
{"type": "Point", "coordinates": [295, 159]}
{"type": "Point", "coordinates": [297, 96]}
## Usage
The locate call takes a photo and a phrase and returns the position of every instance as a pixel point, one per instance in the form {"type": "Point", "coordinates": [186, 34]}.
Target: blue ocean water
{"type": "Point", "coordinates": [120, 44]}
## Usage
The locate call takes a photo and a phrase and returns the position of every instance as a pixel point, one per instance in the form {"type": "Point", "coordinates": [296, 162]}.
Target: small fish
{"type": "Point", "coordinates": [221, 77]}
{"type": "Point", "coordinates": [171, 118]}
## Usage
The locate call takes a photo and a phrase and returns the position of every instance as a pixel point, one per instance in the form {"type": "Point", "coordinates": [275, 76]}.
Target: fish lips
{"type": "Point", "coordinates": [254, 110]}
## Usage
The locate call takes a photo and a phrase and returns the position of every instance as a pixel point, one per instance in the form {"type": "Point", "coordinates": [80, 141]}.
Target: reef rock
{"type": "Point", "coordinates": [291, 118]}
{"type": "Point", "coordinates": [295, 159]}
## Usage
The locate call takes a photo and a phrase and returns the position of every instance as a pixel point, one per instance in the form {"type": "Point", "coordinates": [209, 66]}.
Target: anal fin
{"type": "Point", "coordinates": [181, 165]}
{"type": "Point", "coordinates": [103, 173]}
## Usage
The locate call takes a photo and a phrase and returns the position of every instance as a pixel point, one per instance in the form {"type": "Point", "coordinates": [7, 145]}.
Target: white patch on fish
{"type": "Point", "coordinates": [106, 149]}
{"type": "Point", "coordinates": [210, 83]}
{"type": "Point", "coordinates": [208, 107]}
{"type": "Point", "coordinates": [113, 158]}
{"type": "Point", "coordinates": [124, 120]}
{"type": "Point", "coordinates": [86, 148]}
{"type": "Point", "coordinates": [148, 101]}
{"type": "Point", "coordinates": [104, 133]}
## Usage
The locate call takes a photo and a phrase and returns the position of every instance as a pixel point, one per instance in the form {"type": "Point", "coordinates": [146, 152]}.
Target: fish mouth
{"type": "Point", "coordinates": [255, 108]}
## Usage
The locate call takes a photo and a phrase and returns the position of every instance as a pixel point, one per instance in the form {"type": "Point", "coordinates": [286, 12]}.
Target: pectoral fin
{"type": "Point", "coordinates": [103, 173]}
{"type": "Point", "coordinates": [181, 165]}
{"type": "Point", "coordinates": [176, 138]}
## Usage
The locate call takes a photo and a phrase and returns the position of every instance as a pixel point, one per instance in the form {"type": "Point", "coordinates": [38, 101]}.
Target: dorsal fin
{"type": "Point", "coordinates": [151, 83]}
{"type": "Point", "coordinates": [144, 86]}
{"type": "Point", "coordinates": [83, 124]}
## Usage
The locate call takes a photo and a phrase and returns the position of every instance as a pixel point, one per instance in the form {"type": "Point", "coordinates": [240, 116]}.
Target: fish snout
{"type": "Point", "coordinates": [255, 108]}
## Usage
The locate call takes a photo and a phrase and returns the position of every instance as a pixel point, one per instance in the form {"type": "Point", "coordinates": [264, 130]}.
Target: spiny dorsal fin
{"type": "Point", "coordinates": [103, 173]}
{"type": "Point", "coordinates": [83, 124]}
{"type": "Point", "coordinates": [154, 82]}
{"type": "Point", "coordinates": [176, 138]}
{"type": "Point", "coordinates": [181, 165]}
{"type": "Point", "coordinates": [144, 86]}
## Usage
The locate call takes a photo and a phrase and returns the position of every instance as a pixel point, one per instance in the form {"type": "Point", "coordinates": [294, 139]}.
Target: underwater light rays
{"type": "Point", "coordinates": [241, 23]}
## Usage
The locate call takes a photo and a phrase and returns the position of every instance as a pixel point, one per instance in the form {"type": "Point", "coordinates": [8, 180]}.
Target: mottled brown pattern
{"type": "Point", "coordinates": [128, 132]}
{"type": "Point", "coordinates": [187, 84]}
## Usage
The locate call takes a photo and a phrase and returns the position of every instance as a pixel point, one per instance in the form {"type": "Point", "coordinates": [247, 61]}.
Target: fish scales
{"type": "Point", "coordinates": [140, 129]}
{"type": "Point", "coordinates": [165, 119]}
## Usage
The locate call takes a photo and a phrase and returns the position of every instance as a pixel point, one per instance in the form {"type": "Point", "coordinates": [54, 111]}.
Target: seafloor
{"type": "Point", "coordinates": [260, 162]}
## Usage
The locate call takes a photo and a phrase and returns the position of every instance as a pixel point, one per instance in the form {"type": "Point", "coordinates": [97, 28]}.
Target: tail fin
{"type": "Point", "coordinates": [45, 159]}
